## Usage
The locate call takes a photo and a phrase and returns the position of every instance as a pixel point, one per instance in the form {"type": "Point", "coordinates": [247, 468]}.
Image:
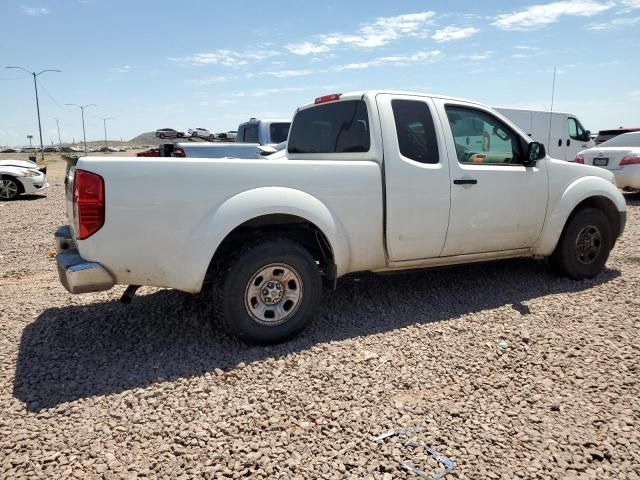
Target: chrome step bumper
{"type": "Point", "coordinates": [76, 274]}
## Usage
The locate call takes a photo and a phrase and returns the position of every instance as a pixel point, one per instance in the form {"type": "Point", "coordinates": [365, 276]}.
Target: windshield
{"type": "Point", "coordinates": [279, 132]}
{"type": "Point", "coordinates": [338, 127]}
{"type": "Point", "coordinates": [624, 140]}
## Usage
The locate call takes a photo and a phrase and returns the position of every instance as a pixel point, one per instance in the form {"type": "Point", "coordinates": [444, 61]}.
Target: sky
{"type": "Point", "coordinates": [214, 64]}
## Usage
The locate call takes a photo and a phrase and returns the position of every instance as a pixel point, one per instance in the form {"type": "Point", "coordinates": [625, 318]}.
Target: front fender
{"type": "Point", "coordinates": [560, 209]}
{"type": "Point", "coordinates": [217, 224]}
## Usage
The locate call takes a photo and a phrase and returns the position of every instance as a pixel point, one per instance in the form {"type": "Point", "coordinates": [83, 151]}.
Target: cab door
{"type": "Point", "coordinates": [497, 203]}
{"type": "Point", "coordinates": [416, 177]}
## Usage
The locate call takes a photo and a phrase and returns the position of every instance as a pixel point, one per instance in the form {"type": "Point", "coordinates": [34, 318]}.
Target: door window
{"type": "Point", "coordinates": [415, 130]}
{"type": "Point", "coordinates": [481, 138]}
{"type": "Point", "coordinates": [576, 132]}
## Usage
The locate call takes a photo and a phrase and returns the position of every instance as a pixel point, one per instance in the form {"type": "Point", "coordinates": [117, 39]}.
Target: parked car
{"type": "Point", "coordinates": [11, 150]}
{"type": "Point", "coordinates": [201, 132]}
{"type": "Point", "coordinates": [263, 132]}
{"type": "Point", "coordinates": [21, 176]}
{"type": "Point", "coordinates": [51, 149]}
{"type": "Point", "coordinates": [370, 181]}
{"type": "Point", "coordinates": [620, 155]}
{"type": "Point", "coordinates": [561, 133]}
{"type": "Point", "coordinates": [168, 133]}
{"type": "Point", "coordinates": [151, 152]}
{"type": "Point", "coordinates": [604, 135]}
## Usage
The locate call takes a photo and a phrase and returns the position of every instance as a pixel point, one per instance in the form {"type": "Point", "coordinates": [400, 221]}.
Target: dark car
{"type": "Point", "coordinates": [168, 133]}
{"type": "Point", "coordinates": [604, 135]}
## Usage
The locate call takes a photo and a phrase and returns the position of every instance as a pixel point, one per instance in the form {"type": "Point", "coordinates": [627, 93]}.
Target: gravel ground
{"type": "Point", "coordinates": [93, 388]}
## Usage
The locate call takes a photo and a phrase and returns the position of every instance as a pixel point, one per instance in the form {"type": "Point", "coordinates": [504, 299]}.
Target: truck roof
{"type": "Point", "coordinates": [372, 93]}
{"type": "Point", "coordinates": [267, 120]}
{"type": "Point", "coordinates": [532, 110]}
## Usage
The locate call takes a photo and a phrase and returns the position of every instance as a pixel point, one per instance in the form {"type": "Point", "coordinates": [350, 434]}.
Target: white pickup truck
{"type": "Point", "coordinates": [374, 181]}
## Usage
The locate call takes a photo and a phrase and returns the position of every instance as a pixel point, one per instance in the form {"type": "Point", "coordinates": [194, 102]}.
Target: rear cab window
{"type": "Point", "coordinates": [415, 130]}
{"type": "Point", "coordinates": [338, 127]}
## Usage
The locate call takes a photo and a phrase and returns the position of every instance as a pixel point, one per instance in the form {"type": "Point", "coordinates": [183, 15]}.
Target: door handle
{"type": "Point", "coordinates": [465, 181]}
{"type": "Point", "coordinates": [568, 142]}
{"type": "Point", "coordinates": [559, 142]}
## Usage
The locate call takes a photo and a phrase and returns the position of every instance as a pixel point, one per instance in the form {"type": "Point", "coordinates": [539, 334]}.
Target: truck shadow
{"type": "Point", "coordinates": [77, 352]}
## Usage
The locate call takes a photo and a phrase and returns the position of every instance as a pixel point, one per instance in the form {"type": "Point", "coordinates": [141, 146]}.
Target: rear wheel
{"type": "Point", "coordinates": [9, 188]}
{"type": "Point", "coordinates": [161, 135]}
{"type": "Point", "coordinates": [583, 248]}
{"type": "Point", "coordinates": [268, 291]}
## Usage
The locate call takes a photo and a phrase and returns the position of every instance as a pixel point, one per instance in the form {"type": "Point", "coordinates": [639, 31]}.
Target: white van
{"type": "Point", "coordinates": [563, 135]}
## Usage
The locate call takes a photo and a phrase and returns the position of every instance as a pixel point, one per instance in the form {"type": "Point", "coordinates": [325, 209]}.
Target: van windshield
{"type": "Point", "coordinates": [338, 127]}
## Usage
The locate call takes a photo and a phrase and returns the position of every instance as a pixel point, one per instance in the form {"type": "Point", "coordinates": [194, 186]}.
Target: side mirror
{"type": "Point", "coordinates": [587, 136]}
{"type": "Point", "coordinates": [535, 152]}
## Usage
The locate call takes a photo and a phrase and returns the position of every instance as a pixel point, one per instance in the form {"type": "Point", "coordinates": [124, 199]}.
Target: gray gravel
{"type": "Point", "coordinates": [93, 388]}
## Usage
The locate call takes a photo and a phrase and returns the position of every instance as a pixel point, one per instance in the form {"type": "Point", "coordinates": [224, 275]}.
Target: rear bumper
{"type": "Point", "coordinates": [628, 176]}
{"type": "Point", "coordinates": [76, 274]}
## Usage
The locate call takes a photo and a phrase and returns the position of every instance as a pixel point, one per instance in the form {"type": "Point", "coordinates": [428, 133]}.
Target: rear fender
{"type": "Point", "coordinates": [245, 206]}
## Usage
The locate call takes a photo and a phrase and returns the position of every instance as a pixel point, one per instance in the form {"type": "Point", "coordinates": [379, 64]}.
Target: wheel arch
{"type": "Point", "coordinates": [275, 211]}
{"type": "Point", "coordinates": [14, 178]}
{"type": "Point", "coordinates": [594, 192]}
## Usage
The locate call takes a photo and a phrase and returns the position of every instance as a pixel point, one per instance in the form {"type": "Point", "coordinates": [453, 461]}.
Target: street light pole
{"type": "Point", "coordinates": [104, 120]}
{"type": "Point", "coordinates": [59, 140]}
{"type": "Point", "coordinates": [35, 86]}
{"type": "Point", "coordinates": [82, 107]}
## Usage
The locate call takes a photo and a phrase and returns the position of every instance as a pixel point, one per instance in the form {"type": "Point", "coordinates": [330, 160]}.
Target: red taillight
{"type": "Point", "coordinates": [88, 203]}
{"type": "Point", "coordinates": [579, 158]}
{"type": "Point", "coordinates": [179, 152]}
{"type": "Point", "coordinates": [328, 98]}
{"type": "Point", "coordinates": [630, 160]}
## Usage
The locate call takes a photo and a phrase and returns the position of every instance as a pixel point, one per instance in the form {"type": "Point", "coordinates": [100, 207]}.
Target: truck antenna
{"type": "Point", "coordinates": [553, 91]}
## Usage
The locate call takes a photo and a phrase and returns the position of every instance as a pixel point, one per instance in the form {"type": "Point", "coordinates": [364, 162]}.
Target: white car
{"type": "Point", "coordinates": [21, 176]}
{"type": "Point", "coordinates": [201, 132]}
{"type": "Point", "coordinates": [376, 181]}
{"type": "Point", "coordinates": [620, 155]}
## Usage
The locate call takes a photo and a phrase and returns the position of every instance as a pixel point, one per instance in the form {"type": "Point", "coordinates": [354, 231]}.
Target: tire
{"type": "Point", "coordinates": [583, 248]}
{"type": "Point", "coordinates": [180, 135]}
{"type": "Point", "coordinates": [268, 291]}
{"type": "Point", "coordinates": [10, 188]}
{"type": "Point", "coordinates": [194, 134]}
{"type": "Point", "coordinates": [212, 136]}
{"type": "Point", "coordinates": [161, 135]}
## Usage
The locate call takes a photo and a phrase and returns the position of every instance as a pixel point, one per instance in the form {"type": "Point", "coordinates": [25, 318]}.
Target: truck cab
{"type": "Point", "coordinates": [263, 132]}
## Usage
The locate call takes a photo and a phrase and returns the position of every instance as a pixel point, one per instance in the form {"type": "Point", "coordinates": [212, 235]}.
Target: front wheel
{"type": "Point", "coordinates": [583, 248]}
{"type": "Point", "coordinates": [9, 188]}
{"type": "Point", "coordinates": [268, 291]}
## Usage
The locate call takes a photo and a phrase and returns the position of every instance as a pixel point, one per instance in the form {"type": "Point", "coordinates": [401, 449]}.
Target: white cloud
{"type": "Point", "coordinates": [449, 33]}
{"type": "Point", "coordinates": [630, 3]}
{"type": "Point", "coordinates": [225, 57]}
{"type": "Point", "coordinates": [615, 23]}
{"type": "Point", "coordinates": [370, 35]}
{"type": "Point", "coordinates": [527, 48]}
{"type": "Point", "coordinates": [289, 73]}
{"type": "Point", "coordinates": [537, 16]}
{"type": "Point", "coordinates": [272, 91]}
{"type": "Point", "coordinates": [210, 80]}
{"type": "Point", "coordinates": [398, 60]}
{"type": "Point", "coordinates": [122, 69]}
{"type": "Point", "coordinates": [476, 57]}
{"type": "Point", "coordinates": [36, 11]}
